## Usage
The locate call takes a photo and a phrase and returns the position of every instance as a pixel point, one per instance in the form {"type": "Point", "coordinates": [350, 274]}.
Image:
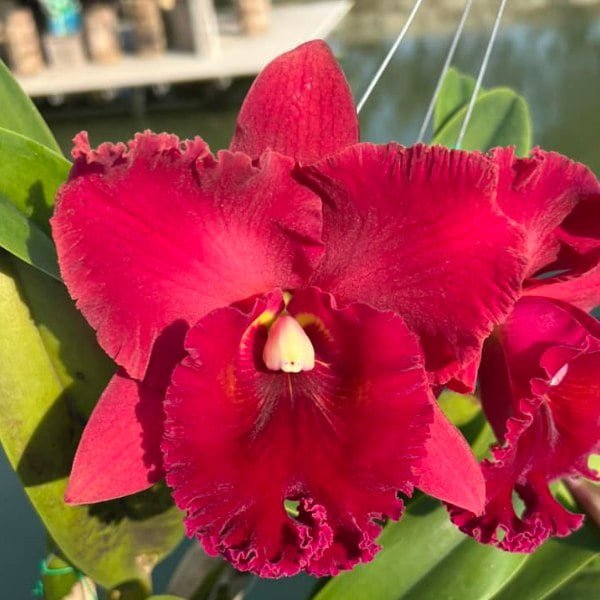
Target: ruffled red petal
{"type": "Point", "coordinates": [580, 230]}
{"type": "Point", "coordinates": [581, 290]}
{"type": "Point", "coordinates": [558, 203]}
{"type": "Point", "coordinates": [155, 235]}
{"type": "Point", "coordinates": [339, 441]}
{"type": "Point", "coordinates": [416, 230]}
{"type": "Point", "coordinates": [552, 358]}
{"type": "Point", "coordinates": [575, 275]}
{"type": "Point", "coordinates": [539, 192]}
{"type": "Point", "coordinates": [300, 105]}
{"type": "Point", "coordinates": [119, 452]}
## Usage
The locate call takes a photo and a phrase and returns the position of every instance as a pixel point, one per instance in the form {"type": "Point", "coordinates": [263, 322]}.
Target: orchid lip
{"type": "Point", "coordinates": [288, 348]}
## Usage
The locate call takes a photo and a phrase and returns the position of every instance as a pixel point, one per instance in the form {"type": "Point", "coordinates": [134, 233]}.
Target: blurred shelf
{"type": "Point", "coordinates": [239, 55]}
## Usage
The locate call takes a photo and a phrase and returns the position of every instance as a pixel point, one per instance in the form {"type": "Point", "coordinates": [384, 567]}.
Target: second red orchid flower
{"type": "Point", "coordinates": [540, 372]}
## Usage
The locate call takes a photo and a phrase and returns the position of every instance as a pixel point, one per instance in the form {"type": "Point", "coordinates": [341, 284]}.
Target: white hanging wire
{"type": "Point", "coordinates": [482, 70]}
{"type": "Point", "coordinates": [447, 63]}
{"type": "Point", "coordinates": [388, 57]}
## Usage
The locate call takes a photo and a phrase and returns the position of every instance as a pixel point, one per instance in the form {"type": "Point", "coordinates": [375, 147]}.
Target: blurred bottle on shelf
{"type": "Point", "coordinates": [101, 27]}
{"type": "Point", "coordinates": [148, 26]}
{"type": "Point", "coordinates": [22, 42]}
{"type": "Point", "coordinates": [254, 15]}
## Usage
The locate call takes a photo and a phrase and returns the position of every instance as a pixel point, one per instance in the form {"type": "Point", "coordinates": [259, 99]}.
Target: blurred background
{"type": "Point", "coordinates": [184, 66]}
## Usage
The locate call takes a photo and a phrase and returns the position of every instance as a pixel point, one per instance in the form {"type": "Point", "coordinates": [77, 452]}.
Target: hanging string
{"type": "Point", "coordinates": [447, 63]}
{"type": "Point", "coordinates": [388, 57]}
{"type": "Point", "coordinates": [482, 70]}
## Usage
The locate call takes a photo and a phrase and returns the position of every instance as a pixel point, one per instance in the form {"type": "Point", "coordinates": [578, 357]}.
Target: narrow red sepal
{"type": "Point", "coordinates": [119, 452]}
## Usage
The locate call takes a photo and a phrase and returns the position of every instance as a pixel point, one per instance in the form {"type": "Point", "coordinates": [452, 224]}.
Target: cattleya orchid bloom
{"type": "Point", "coordinates": [540, 371]}
{"type": "Point", "coordinates": [279, 313]}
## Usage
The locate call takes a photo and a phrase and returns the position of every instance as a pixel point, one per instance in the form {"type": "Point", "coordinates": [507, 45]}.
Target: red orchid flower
{"type": "Point", "coordinates": [279, 312]}
{"type": "Point", "coordinates": [540, 371]}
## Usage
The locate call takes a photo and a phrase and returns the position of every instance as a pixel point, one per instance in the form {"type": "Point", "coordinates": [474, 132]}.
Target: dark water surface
{"type": "Point", "coordinates": [553, 59]}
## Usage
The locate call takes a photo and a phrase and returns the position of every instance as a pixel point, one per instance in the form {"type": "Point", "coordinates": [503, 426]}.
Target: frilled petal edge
{"type": "Point", "coordinates": [552, 352]}
{"type": "Point", "coordinates": [540, 192]}
{"type": "Point", "coordinates": [581, 290]}
{"type": "Point", "coordinates": [152, 236]}
{"type": "Point", "coordinates": [337, 443]}
{"type": "Point", "coordinates": [417, 231]}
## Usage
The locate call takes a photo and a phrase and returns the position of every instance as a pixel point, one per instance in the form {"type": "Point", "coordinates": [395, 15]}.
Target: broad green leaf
{"type": "Point", "coordinates": [553, 565]}
{"type": "Point", "coordinates": [166, 597]}
{"type": "Point", "coordinates": [461, 409]}
{"type": "Point", "coordinates": [558, 560]}
{"type": "Point", "coordinates": [18, 113]}
{"type": "Point", "coordinates": [500, 118]}
{"type": "Point", "coordinates": [29, 177]}
{"type": "Point", "coordinates": [425, 556]}
{"type": "Point", "coordinates": [30, 174]}
{"type": "Point", "coordinates": [583, 586]}
{"type": "Point", "coordinates": [51, 374]}
{"type": "Point", "coordinates": [23, 238]}
{"type": "Point", "coordinates": [471, 571]}
{"type": "Point", "coordinates": [456, 91]}
{"type": "Point", "coordinates": [411, 548]}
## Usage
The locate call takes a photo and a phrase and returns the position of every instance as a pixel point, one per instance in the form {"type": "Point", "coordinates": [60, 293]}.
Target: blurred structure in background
{"type": "Point", "coordinates": [21, 41]}
{"type": "Point", "coordinates": [59, 47]}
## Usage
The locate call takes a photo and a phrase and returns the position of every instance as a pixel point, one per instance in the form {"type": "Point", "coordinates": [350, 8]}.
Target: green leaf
{"type": "Point", "coordinates": [410, 548]}
{"type": "Point", "coordinates": [553, 565]}
{"type": "Point", "coordinates": [425, 556]}
{"type": "Point", "coordinates": [18, 113]}
{"type": "Point", "coordinates": [456, 91]}
{"type": "Point", "coordinates": [500, 118]}
{"type": "Point", "coordinates": [166, 597]}
{"type": "Point", "coordinates": [461, 409]}
{"type": "Point", "coordinates": [471, 571]}
{"type": "Point", "coordinates": [30, 175]}
{"type": "Point", "coordinates": [583, 586]}
{"type": "Point", "coordinates": [51, 374]}
{"type": "Point", "coordinates": [23, 238]}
